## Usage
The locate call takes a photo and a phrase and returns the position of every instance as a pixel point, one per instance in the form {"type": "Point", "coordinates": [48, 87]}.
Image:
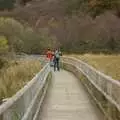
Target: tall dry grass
{"type": "Point", "coordinates": [108, 64]}
{"type": "Point", "coordinates": [16, 75]}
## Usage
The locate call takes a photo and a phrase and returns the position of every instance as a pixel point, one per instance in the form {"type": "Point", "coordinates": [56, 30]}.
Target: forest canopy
{"type": "Point", "coordinates": [77, 26]}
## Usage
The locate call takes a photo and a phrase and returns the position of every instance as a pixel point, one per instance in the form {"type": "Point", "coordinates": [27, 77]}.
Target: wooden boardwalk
{"type": "Point", "coordinates": [67, 100]}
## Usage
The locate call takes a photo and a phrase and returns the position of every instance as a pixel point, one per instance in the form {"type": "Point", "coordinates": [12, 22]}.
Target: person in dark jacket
{"type": "Point", "coordinates": [57, 55]}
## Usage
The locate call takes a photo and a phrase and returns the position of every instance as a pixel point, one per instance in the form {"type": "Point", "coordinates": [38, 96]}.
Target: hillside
{"type": "Point", "coordinates": [79, 26]}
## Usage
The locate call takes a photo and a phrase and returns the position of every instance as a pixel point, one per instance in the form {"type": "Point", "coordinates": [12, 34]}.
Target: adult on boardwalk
{"type": "Point", "coordinates": [57, 55]}
{"type": "Point", "coordinates": [49, 54]}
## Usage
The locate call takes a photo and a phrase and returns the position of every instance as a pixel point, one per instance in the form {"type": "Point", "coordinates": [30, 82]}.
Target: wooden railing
{"type": "Point", "coordinates": [25, 105]}
{"type": "Point", "coordinates": [107, 86]}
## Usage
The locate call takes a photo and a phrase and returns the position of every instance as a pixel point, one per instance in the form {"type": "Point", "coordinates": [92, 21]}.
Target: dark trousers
{"type": "Point", "coordinates": [56, 64]}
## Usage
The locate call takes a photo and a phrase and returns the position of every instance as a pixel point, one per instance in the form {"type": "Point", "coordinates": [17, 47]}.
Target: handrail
{"type": "Point", "coordinates": [18, 106]}
{"type": "Point", "coordinates": [109, 87]}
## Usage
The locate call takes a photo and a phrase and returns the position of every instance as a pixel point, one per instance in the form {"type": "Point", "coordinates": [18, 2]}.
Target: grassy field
{"type": "Point", "coordinates": [16, 75]}
{"type": "Point", "coordinates": [108, 64]}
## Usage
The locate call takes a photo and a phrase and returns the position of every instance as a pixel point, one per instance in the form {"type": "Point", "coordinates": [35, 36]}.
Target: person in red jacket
{"type": "Point", "coordinates": [49, 55]}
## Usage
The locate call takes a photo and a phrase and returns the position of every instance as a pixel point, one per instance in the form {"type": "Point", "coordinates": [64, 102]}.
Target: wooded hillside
{"type": "Point", "coordinates": [75, 25]}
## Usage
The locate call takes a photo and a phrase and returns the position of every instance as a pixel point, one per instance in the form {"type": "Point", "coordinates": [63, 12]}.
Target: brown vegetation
{"type": "Point", "coordinates": [108, 64]}
{"type": "Point", "coordinates": [15, 75]}
{"type": "Point", "coordinates": [72, 25]}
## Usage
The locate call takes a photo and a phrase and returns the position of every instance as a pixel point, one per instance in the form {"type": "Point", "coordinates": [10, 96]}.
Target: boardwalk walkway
{"type": "Point", "coordinates": [67, 100]}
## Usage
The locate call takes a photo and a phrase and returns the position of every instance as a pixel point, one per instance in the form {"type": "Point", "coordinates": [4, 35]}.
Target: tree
{"type": "Point", "coordinates": [6, 4]}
